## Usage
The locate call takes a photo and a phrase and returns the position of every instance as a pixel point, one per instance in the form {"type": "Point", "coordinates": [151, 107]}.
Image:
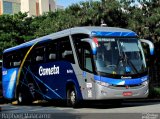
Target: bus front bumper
{"type": "Point", "coordinates": [123, 92]}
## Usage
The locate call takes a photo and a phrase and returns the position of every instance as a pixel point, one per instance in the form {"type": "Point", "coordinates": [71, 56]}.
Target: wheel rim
{"type": "Point", "coordinates": [73, 97]}
{"type": "Point", "coordinates": [20, 97]}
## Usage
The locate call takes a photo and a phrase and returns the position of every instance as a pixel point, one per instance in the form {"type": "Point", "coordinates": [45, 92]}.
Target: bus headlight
{"type": "Point", "coordinates": [145, 83]}
{"type": "Point", "coordinates": [103, 83]}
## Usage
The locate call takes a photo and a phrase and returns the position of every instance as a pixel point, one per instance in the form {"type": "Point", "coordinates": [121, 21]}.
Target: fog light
{"type": "Point", "coordinates": [103, 83]}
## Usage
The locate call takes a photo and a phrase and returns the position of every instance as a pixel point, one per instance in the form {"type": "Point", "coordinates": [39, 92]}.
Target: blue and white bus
{"type": "Point", "coordinates": [81, 63]}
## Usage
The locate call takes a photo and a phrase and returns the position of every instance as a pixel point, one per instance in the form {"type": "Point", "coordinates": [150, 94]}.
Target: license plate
{"type": "Point", "coordinates": [127, 93]}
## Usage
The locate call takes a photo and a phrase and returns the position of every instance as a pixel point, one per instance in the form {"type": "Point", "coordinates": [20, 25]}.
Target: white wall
{"type": "Point", "coordinates": [24, 6]}
{"type": "Point", "coordinates": [32, 7]}
{"type": "Point", "coordinates": [28, 6]}
{"type": "Point", "coordinates": [52, 5]}
{"type": "Point", "coordinates": [43, 6]}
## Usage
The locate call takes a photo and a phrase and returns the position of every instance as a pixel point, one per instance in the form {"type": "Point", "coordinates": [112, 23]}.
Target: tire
{"type": "Point", "coordinates": [72, 100]}
{"type": "Point", "coordinates": [20, 98]}
{"type": "Point", "coordinates": [23, 98]}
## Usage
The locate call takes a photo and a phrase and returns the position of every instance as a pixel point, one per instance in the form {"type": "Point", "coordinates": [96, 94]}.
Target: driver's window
{"type": "Point", "coordinates": [88, 60]}
{"type": "Point", "coordinates": [87, 57]}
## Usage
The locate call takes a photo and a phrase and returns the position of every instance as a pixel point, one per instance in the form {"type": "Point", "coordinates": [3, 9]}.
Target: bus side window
{"type": "Point", "coordinates": [88, 60]}
{"type": "Point", "coordinates": [87, 57]}
{"type": "Point", "coordinates": [38, 55]}
{"type": "Point", "coordinates": [7, 61]}
{"type": "Point", "coordinates": [16, 59]}
{"type": "Point", "coordinates": [78, 46]}
{"type": "Point", "coordinates": [12, 60]}
{"type": "Point", "coordinates": [51, 52]}
{"type": "Point", "coordinates": [66, 52]}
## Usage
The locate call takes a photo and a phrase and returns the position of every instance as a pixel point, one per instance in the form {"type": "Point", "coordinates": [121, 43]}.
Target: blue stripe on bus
{"type": "Point", "coordinates": [121, 81]}
{"type": "Point", "coordinates": [9, 82]}
{"type": "Point", "coordinates": [46, 85]}
{"type": "Point", "coordinates": [152, 51]}
{"type": "Point", "coordinates": [25, 78]}
{"type": "Point", "coordinates": [113, 34]}
{"type": "Point", "coordinates": [9, 91]}
{"type": "Point", "coordinates": [38, 91]}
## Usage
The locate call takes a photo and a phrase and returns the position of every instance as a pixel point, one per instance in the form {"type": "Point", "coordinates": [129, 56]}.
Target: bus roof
{"type": "Point", "coordinates": [90, 30]}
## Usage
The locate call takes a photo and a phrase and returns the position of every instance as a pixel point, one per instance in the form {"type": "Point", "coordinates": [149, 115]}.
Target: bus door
{"type": "Point", "coordinates": [88, 70]}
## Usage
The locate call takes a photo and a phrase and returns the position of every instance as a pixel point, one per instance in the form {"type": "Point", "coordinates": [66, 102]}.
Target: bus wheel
{"type": "Point", "coordinates": [72, 97]}
{"type": "Point", "coordinates": [20, 98]}
{"type": "Point", "coordinates": [23, 99]}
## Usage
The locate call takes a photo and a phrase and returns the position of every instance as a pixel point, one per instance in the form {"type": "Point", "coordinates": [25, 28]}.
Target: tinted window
{"type": "Point", "coordinates": [87, 57]}
{"type": "Point", "coordinates": [12, 59]}
{"type": "Point", "coordinates": [65, 50]}
{"type": "Point", "coordinates": [39, 54]}
{"type": "Point", "coordinates": [78, 45]}
{"type": "Point", "coordinates": [51, 51]}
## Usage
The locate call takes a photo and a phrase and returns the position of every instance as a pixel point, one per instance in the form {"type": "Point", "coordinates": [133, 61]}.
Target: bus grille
{"type": "Point", "coordinates": [121, 87]}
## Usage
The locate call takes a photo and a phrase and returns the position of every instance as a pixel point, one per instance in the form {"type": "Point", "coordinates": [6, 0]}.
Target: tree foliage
{"type": "Point", "coordinates": [18, 28]}
{"type": "Point", "coordinates": [15, 29]}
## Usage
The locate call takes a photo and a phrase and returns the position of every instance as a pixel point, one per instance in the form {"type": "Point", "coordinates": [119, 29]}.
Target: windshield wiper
{"type": "Point", "coordinates": [128, 61]}
{"type": "Point", "coordinates": [125, 59]}
{"type": "Point", "coordinates": [121, 58]}
{"type": "Point", "coordinates": [132, 65]}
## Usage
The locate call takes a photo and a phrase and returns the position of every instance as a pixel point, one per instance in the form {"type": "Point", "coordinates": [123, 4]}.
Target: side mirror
{"type": "Point", "coordinates": [151, 45]}
{"type": "Point", "coordinates": [92, 44]}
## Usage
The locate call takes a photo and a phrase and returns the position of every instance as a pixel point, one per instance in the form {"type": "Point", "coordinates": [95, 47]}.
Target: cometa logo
{"type": "Point", "coordinates": [126, 77]}
{"type": "Point", "coordinates": [48, 71]}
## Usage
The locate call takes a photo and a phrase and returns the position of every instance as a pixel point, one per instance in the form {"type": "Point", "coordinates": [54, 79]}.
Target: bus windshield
{"type": "Point", "coordinates": [119, 56]}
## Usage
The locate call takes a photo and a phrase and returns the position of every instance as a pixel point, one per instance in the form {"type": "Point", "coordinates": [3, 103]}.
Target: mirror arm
{"type": "Point", "coordinates": [151, 45]}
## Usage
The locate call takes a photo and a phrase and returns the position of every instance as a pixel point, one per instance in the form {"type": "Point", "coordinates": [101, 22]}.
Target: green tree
{"type": "Point", "coordinates": [15, 29]}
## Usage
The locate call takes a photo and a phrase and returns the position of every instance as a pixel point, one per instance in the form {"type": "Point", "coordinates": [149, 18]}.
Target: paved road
{"type": "Point", "coordinates": [131, 110]}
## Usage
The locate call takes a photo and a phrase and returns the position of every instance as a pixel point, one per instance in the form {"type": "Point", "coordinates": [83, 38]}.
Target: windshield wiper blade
{"type": "Point", "coordinates": [126, 61]}
{"type": "Point", "coordinates": [133, 66]}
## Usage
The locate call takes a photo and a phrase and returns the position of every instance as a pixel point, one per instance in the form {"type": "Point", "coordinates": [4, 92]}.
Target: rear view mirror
{"type": "Point", "coordinates": [151, 45]}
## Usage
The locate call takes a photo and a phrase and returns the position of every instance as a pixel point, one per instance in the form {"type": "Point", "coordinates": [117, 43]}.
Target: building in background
{"type": "Point", "coordinates": [9, 6]}
{"type": "Point", "coordinates": [59, 7]}
{"type": "Point", "coordinates": [37, 7]}
{"type": "Point", "coordinates": [32, 7]}
{"type": "Point", "coordinates": [29, 6]}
